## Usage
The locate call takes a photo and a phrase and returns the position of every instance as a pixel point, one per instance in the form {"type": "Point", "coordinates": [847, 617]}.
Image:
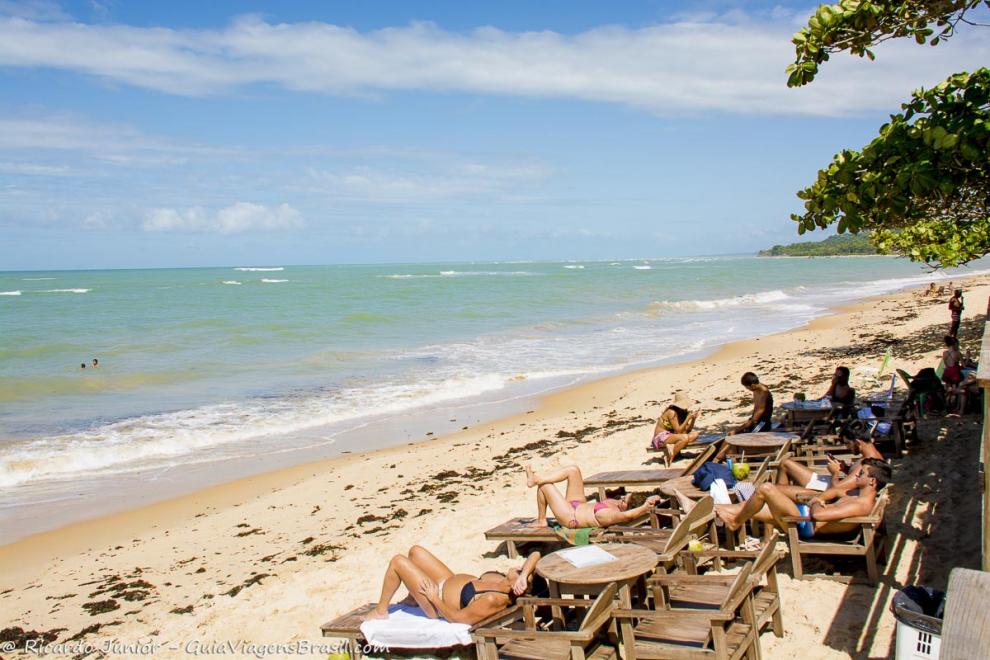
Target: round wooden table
{"type": "Point", "coordinates": [631, 563]}
{"type": "Point", "coordinates": [758, 444]}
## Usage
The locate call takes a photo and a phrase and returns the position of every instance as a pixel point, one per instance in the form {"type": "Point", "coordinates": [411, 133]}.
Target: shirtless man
{"type": "Point", "coordinates": [772, 502]}
{"type": "Point", "coordinates": [800, 475]}
{"type": "Point", "coordinates": [956, 307]}
{"type": "Point", "coordinates": [572, 509]}
{"type": "Point", "coordinates": [760, 420]}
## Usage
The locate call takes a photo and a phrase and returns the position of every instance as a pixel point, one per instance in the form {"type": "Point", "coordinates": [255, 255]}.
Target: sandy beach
{"type": "Point", "coordinates": [267, 559]}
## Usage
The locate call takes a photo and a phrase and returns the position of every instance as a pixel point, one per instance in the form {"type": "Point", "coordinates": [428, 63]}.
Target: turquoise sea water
{"type": "Point", "coordinates": [202, 366]}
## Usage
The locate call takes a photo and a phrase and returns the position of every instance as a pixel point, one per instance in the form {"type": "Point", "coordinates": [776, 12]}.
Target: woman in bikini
{"type": "Point", "coordinates": [675, 428]}
{"type": "Point", "coordinates": [572, 509]}
{"type": "Point", "coordinates": [457, 597]}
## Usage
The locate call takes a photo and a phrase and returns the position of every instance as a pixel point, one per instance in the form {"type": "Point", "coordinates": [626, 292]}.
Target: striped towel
{"type": "Point", "coordinates": [578, 536]}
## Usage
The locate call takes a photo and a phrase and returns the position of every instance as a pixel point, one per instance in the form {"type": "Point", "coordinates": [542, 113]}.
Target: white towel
{"type": "Point", "coordinates": [408, 628]}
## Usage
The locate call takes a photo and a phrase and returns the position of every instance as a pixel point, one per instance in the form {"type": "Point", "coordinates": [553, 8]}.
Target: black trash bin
{"type": "Point", "coordinates": [918, 611]}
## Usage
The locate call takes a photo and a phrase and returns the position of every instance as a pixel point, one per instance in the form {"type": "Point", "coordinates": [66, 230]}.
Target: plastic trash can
{"type": "Point", "coordinates": [918, 611]}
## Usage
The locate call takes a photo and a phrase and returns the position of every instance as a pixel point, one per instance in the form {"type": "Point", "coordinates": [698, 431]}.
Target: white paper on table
{"type": "Point", "coordinates": [586, 555]}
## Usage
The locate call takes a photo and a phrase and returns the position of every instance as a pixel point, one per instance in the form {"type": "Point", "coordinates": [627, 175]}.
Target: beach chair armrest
{"type": "Point", "coordinates": [505, 633]}
{"type": "Point", "coordinates": [675, 579]}
{"type": "Point", "coordinates": [546, 602]}
{"type": "Point", "coordinates": [500, 618]}
{"type": "Point", "coordinates": [794, 520]}
{"type": "Point", "coordinates": [674, 615]}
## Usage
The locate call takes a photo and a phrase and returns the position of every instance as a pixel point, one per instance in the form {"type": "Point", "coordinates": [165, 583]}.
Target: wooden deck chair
{"type": "Point", "coordinates": [726, 632]}
{"type": "Point", "coordinates": [517, 531]}
{"type": "Point", "coordinates": [868, 541]}
{"type": "Point", "coordinates": [348, 628]}
{"type": "Point", "coordinates": [645, 478]}
{"type": "Point", "coordinates": [667, 543]}
{"type": "Point", "coordinates": [520, 636]}
{"type": "Point", "coordinates": [687, 592]}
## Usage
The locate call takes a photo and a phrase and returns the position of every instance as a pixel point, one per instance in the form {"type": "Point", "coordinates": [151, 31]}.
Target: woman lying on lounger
{"type": "Point", "coordinates": [572, 509]}
{"type": "Point", "coordinates": [457, 597]}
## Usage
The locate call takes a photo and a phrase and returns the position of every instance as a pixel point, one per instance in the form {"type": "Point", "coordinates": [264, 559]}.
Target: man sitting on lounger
{"type": "Point", "coordinates": [772, 503]}
{"type": "Point", "coordinates": [572, 509]}
{"type": "Point", "coordinates": [457, 597]}
{"type": "Point", "coordinates": [760, 420]}
{"type": "Point", "coordinates": [807, 480]}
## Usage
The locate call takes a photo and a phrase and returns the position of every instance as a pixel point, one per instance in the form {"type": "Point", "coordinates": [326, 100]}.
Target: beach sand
{"type": "Point", "coordinates": [269, 558]}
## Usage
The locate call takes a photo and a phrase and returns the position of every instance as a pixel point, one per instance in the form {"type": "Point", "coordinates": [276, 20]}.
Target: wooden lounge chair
{"type": "Point", "coordinates": [680, 591]}
{"type": "Point", "coordinates": [727, 632]}
{"type": "Point", "coordinates": [645, 478]}
{"type": "Point", "coordinates": [867, 542]}
{"type": "Point", "coordinates": [518, 530]}
{"type": "Point", "coordinates": [667, 543]}
{"type": "Point", "coordinates": [348, 628]}
{"type": "Point", "coordinates": [520, 635]}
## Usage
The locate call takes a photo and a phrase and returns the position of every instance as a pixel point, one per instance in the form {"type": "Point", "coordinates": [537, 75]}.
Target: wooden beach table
{"type": "Point", "coordinates": [799, 415]}
{"type": "Point", "coordinates": [758, 445]}
{"type": "Point", "coordinates": [632, 563]}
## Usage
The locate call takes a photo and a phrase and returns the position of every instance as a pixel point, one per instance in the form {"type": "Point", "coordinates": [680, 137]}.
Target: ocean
{"type": "Point", "coordinates": [207, 374]}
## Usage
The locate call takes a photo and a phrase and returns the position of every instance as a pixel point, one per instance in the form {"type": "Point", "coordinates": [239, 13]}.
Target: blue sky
{"type": "Point", "coordinates": [138, 134]}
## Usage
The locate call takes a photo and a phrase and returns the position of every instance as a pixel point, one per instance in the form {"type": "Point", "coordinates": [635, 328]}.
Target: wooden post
{"type": "Point", "coordinates": [983, 377]}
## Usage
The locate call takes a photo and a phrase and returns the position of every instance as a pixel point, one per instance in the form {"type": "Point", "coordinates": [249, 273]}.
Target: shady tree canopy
{"type": "Point", "coordinates": [922, 186]}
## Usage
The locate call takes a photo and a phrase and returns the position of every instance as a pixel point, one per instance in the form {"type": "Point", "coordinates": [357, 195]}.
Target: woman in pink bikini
{"type": "Point", "coordinates": [572, 509]}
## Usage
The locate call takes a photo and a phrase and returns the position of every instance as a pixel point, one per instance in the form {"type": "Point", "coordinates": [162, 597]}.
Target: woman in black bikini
{"type": "Point", "coordinates": [457, 597]}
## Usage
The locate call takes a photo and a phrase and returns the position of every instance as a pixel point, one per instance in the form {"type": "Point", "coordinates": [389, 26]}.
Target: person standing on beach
{"type": "Point", "coordinates": [760, 420]}
{"type": "Point", "coordinates": [955, 311]}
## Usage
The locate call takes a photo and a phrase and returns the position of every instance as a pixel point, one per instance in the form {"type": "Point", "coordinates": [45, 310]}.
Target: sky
{"type": "Point", "coordinates": [184, 133]}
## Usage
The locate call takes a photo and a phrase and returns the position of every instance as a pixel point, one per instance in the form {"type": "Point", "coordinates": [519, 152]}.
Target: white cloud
{"type": "Point", "coordinates": [35, 169]}
{"type": "Point", "coordinates": [459, 180]}
{"type": "Point", "coordinates": [734, 63]}
{"type": "Point", "coordinates": [234, 219]}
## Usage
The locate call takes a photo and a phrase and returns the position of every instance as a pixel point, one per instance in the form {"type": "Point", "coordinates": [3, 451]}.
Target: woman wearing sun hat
{"type": "Point", "coordinates": [675, 428]}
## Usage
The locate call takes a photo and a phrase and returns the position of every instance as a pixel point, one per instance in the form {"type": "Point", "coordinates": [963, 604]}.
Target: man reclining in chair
{"type": "Point", "coordinates": [851, 498]}
{"type": "Point", "coordinates": [572, 509]}
{"type": "Point", "coordinates": [457, 597]}
{"type": "Point", "coordinates": [795, 472]}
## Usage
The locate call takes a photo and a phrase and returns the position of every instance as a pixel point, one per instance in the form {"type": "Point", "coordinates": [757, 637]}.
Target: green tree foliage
{"type": "Point", "coordinates": [856, 25]}
{"type": "Point", "coordinates": [831, 246]}
{"type": "Point", "coordinates": [922, 186]}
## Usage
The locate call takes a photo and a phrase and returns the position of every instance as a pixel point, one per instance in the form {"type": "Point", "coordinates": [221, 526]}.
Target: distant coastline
{"type": "Point", "coordinates": [833, 246]}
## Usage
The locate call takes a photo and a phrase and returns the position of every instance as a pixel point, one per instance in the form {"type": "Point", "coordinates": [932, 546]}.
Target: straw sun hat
{"type": "Point", "coordinates": [683, 401]}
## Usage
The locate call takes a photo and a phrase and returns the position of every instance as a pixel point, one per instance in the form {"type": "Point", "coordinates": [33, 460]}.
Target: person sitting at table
{"type": "Point", "coordinates": [966, 392]}
{"type": "Point", "coordinates": [572, 509]}
{"type": "Point", "coordinates": [952, 359]}
{"type": "Point", "coordinates": [808, 482]}
{"type": "Point", "coordinates": [457, 597]}
{"type": "Point", "coordinates": [772, 502]}
{"type": "Point", "coordinates": [761, 419]}
{"type": "Point", "coordinates": [675, 428]}
{"type": "Point", "coordinates": [839, 390]}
